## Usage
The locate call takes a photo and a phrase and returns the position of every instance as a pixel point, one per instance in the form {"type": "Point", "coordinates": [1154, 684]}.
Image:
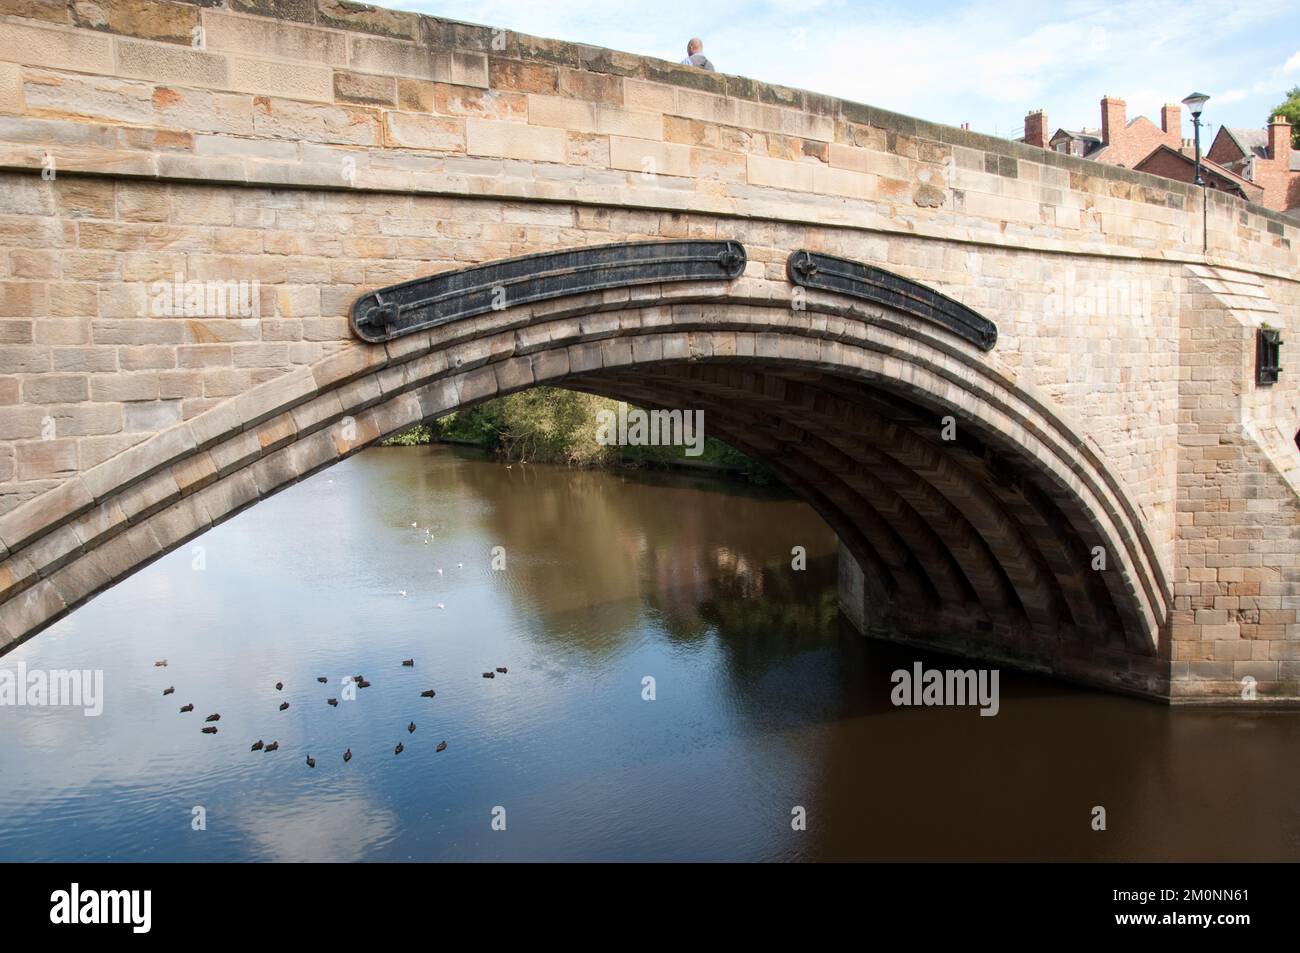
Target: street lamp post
{"type": "Point", "coordinates": [1195, 103]}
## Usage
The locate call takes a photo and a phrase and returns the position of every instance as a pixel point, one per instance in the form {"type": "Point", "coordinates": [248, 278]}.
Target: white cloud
{"type": "Point", "coordinates": [983, 61]}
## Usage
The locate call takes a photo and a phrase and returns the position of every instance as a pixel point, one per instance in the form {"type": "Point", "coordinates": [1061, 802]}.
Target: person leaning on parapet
{"type": "Point", "coordinates": [695, 55]}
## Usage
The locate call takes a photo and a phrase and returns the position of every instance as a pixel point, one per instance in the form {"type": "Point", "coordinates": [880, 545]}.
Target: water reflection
{"type": "Point", "coordinates": [764, 700]}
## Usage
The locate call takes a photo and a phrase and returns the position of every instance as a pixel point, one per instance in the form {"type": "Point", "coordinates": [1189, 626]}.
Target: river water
{"type": "Point", "coordinates": [766, 707]}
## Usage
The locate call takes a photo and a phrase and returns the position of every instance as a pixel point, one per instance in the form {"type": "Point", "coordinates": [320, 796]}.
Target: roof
{"type": "Point", "coordinates": [1091, 139]}
{"type": "Point", "coordinates": [1080, 133]}
{"type": "Point", "coordinates": [1254, 142]}
{"type": "Point", "coordinates": [1250, 141]}
{"type": "Point", "coordinates": [1243, 184]}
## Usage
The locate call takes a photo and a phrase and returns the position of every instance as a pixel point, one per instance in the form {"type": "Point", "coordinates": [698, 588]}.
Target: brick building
{"type": "Point", "coordinates": [1265, 157]}
{"type": "Point", "coordinates": [1256, 164]}
{"type": "Point", "coordinates": [1181, 165]}
{"type": "Point", "coordinates": [1118, 141]}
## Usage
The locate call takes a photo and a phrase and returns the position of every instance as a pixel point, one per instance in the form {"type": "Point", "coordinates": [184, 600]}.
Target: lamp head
{"type": "Point", "coordinates": [1195, 103]}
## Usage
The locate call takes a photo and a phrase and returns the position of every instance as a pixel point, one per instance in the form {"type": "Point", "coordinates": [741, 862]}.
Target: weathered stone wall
{"type": "Point", "coordinates": [91, 256]}
{"type": "Point", "coordinates": [334, 148]}
{"type": "Point", "coordinates": [1236, 579]}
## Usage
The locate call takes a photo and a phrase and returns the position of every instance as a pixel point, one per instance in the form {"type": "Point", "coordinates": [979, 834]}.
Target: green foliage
{"type": "Point", "coordinates": [1289, 107]}
{"type": "Point", "coordinates": [417, 435]}
{"type": "Point", "coordinates": [552, 425]}
{"type": "Point", "coordinates": [479, 425]}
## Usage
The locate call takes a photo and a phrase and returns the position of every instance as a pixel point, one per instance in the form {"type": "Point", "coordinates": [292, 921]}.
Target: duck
{"type": "Point", "coordinates": [363, 684]}
{"type": "Point", "coordinates": [185, 708]}
{"type": "Point", "coordinates": [273, 746]}
{"type": "Point", "coordinates": [169, 691]}
{"type": "Point", "coordinates": [428, 693]}
{"type": "Point", "coordinates": [441, 606]}
{"type": "Point", "coordinates": [332, 702]}
{"type": "Point", "coordinates": [311, 762]}
{"type": "Point", "coordinates": [213, 718]}
{"type": "Point", "coordinates": [279, 686]}
{"type": "Point", "coordinates": [399, 749]}
{"type": "Point", "coordinates": [502, 669]}
{"type": "Point", "coordinates": [442, 746]}
{"type": "Point", "coordinates": [411, 728]}
{"type": "Point", "coordinates": [211, 730]}
{"type": "Point", "coordinates": [460, 565]}
{"type": "Point", "coordinates": [284, 706]}
{"type": "Point", "coordinates": [323, 680]}
{"type": "Point", "coordinates": [257, 746]}
{"type": "Point", "coordinates": [347, 756]}
{"type": "Point", "coordinates": [161, 663]}
{"type": "Point", "coordinates": [489, 674]}
{"type": "Point", "coordinates": [408, 663]}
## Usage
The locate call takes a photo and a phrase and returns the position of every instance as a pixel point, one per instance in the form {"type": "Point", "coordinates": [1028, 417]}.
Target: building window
{"type": "Point", "coordinates": [1268, 356]}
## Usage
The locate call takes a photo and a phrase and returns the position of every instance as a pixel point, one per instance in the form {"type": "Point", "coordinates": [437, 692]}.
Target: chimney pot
{"type": "Point", "coordinates": [1171, 121]}
{"type": "Point", "coordinates": [1112, 118]}
{"type": "Point", "coordinates": [1036, 128]}
{"type": "Point", "coordinates": [1279, 139]}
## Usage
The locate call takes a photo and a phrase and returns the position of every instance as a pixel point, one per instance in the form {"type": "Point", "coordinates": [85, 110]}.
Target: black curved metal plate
{"type": "Point", "coordinates": [428, 302]}
{"type": "Point", "coordinates": [859, 280]}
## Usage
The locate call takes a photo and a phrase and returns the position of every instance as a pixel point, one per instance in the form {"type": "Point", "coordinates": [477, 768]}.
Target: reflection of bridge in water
{"type": "Point", "coordinates": [870, 304]}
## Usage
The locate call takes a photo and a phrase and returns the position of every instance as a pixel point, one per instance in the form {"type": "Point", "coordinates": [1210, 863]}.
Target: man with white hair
{"type": "Point", "coordinates": [695, 55]}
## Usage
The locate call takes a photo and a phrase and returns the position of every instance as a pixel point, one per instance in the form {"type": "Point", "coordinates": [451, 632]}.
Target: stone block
{"type": "Point", "coordinates": [395, 58]}
{"type": "Point", "coordinates": [508, 140]}
{"type": "Point", "coordinates": [168, 64]}
{"type": "Point", "coordinates": [348, 15]}
{"type": "Point", "coordinates": [55, 48]}
{"type": "Point", "coordinates": [286, 80]}
{"type": "Point", "coordinates": [522, 77]}
{"type": "Point", "coordinates": [418, 131]}
{"type": "Point", "coordinates": [367, 89]}
{"type": "Point", "coordinates": [11, 89]}
{"type": "Point", "coordinates": [274, 38]}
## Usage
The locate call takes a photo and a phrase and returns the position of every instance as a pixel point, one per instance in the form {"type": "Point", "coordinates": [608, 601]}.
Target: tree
{"type": "Point", "coordinates": [1290, 108]}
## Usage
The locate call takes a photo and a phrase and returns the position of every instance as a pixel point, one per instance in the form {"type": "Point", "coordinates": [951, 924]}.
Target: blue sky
{"type": "Point", "coordinates": [981, 61]}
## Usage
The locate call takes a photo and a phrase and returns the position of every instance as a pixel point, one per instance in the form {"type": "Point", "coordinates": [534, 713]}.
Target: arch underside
{"type": "Point", "coordinates": [961, 546]}
{"type": "Point", "coordinates": [982, 544]}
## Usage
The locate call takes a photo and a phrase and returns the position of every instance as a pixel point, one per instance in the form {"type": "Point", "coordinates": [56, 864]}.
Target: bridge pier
{"type": "Point", "coordinates": [1112, 668]}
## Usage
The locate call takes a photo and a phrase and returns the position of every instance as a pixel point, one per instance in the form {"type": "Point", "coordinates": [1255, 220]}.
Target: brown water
{"type": "Point", "coordinates": [764, 700]}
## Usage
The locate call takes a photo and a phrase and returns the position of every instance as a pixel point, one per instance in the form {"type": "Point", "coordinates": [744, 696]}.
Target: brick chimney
{"type": "Point", "coordinates": [1036, 133]}
{"type": "Point", "coordinates": [1112, 118]}
{"type": "Point", "coordinates": [1171, 122]}
{"type": "Point", "coordinates": [1279, 138]}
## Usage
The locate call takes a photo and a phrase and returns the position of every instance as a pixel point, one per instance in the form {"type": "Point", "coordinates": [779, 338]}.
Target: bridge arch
{"type": "Point", "coordinates": [981, 544]}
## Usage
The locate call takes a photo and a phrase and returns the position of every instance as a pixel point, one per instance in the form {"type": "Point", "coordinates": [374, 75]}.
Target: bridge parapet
{"type": "Point", "coordinates": [331, 94]}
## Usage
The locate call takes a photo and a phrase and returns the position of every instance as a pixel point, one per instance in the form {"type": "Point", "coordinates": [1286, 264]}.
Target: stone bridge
{"type": "Point", "coordinates": [194, 195]}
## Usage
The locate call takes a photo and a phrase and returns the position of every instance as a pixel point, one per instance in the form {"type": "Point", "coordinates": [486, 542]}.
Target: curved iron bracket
{"type": "Point", "coordinates": [868, 283]}
{"type": "Point", "coordinates": [428, 302]}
